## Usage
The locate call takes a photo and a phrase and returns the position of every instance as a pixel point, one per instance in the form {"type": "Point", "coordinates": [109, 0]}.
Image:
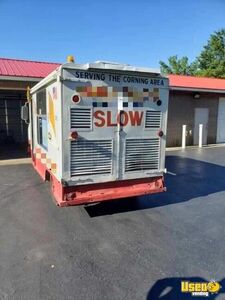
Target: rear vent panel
{"type": "Point", "coordinates": [153, 119]}
{"type": "Point", "coordinates": [91, 157]}
{"type": "Point", "coordinates": [80, 118]}
{"type": "Point", "coordinates": [142, 154]}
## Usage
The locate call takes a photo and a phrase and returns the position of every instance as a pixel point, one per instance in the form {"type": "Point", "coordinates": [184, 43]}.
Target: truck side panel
{"type": "Point", "coordinates": [46, 106]}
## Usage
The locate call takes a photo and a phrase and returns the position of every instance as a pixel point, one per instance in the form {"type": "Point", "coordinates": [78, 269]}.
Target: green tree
{"type": "Point", "coordinates": [179, 66]}
{"type": "Point", "coordinates": [211, 61]}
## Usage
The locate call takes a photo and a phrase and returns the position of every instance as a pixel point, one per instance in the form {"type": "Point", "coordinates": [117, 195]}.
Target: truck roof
{"type": "Point", "coordinates": [111, 66]}
{"type": "Point", "coordinates": [99, 65]}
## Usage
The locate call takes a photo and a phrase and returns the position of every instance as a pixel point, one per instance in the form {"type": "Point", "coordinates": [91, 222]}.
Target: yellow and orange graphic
{"type": "Point", "coordinates": [200, 288]}
{"type": "Point", "coordinates": [51, 112]}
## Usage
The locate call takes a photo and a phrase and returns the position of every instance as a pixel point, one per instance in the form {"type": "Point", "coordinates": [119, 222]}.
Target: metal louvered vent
{"type": "Point", "coordinates": [142, 154]}
{"type": "Point", "coordinates": [80, 118]}
{"type": "Point", "coordinates": [90, 157]}
{"type": "Point", "coordinates": [153, 119]}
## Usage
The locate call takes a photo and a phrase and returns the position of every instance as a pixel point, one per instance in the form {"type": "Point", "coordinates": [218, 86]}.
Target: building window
{"type": "Point", "coordinates": [42, 124]}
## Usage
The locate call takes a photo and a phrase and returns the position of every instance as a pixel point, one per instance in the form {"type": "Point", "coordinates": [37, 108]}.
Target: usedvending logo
{"type": "Point", "coordinates": [204, 289]}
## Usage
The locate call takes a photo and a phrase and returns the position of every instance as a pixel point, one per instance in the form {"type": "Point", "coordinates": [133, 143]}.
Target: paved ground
{"type": "Point", "coordinates": [129, 249]}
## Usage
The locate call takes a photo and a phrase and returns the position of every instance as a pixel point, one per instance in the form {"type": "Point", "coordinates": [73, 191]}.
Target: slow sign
{"type": "Point", "coordinates": [123, 118]}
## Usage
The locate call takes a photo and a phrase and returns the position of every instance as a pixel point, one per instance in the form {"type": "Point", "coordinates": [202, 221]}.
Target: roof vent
{"type": "Point", "coordinates": [109, 63]}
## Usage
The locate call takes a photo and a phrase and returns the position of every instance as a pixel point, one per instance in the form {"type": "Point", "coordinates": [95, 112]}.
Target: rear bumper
{"type": "Point", "coordinates": [84, 194]}
{"type": "Point", "coordinates": [90, 193]}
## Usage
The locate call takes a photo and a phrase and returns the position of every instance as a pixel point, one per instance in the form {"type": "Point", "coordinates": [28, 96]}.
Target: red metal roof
{"type": "Point", "coordinates": [191, 82]}
{"type": "Point", "coordinates": [25, 68]}
{"type": "Point", "coordinates": [36, 69]}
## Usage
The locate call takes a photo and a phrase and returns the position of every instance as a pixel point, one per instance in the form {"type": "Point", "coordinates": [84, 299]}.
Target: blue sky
{"type": "Point", "coordinates": [140, 32]}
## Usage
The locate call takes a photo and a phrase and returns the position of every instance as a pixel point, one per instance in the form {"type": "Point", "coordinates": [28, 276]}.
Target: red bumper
{"type": "Point", "coordinates": [83, 194]}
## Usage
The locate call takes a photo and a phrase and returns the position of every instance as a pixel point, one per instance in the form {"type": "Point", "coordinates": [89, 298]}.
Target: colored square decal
{"type": "Point", "coordinates": [53, 166]}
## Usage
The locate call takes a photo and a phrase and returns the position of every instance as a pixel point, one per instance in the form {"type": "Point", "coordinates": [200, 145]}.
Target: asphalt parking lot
{"type": "Point", "coordinates": [128, 249]}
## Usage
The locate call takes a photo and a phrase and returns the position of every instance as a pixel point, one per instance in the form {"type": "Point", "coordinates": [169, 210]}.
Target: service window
{"type": "Point", "coordinates": [42, 124]}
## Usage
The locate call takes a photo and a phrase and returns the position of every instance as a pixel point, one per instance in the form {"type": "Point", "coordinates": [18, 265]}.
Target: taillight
{"type": "Point", "coordinates": [76, 99]}
{"type": "Point", "coordinates": [159, 102]}
{"type": "Point", "coordinates": [74, 135]}
{"type": "Point", "coordinates": [160, 133]}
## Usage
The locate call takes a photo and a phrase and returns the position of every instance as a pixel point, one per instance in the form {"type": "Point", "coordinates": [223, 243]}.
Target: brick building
{"type": "Point", "coordinates": [194, 101]}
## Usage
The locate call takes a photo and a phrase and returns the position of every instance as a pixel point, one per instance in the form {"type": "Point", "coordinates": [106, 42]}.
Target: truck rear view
{"type": "Point", "coordinates": [98, 131]}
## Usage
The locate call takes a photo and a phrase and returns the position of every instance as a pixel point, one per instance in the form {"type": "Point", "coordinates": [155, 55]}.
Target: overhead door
{"type": "Point", "coordinates": [12, 128]}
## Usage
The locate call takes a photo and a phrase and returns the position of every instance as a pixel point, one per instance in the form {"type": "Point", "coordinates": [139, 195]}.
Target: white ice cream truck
{"type": "Point", "coordinates": [97, 131]}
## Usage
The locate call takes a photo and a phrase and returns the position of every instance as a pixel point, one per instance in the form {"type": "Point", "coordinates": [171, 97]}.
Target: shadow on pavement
{"type": "Point", "coordinates": [170, 289]}
{"type": "Point", "coordinates": [13, 151]}
{"type": "Point", "coordinates": [188, 179]}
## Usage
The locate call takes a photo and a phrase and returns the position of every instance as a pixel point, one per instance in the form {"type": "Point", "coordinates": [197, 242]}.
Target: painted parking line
{"type": "Point", "coordinates": [17, 161]}
{"type": "Point", "coordinates": [196, 147]}
{"type": "Point", "coordinates": [171, 173]}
